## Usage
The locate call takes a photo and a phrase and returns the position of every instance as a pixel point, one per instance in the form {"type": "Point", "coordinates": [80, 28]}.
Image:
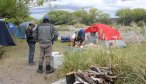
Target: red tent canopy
{"type": "Point", "coordinates": [105, 32]}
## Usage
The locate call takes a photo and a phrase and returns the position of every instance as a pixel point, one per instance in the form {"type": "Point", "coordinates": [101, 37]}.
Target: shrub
{"type": "Point", "coordinates": [127, 63]}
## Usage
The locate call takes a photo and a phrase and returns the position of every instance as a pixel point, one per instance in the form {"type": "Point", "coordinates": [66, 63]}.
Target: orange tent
{"type": "Point", "coordinates": [105, 32]}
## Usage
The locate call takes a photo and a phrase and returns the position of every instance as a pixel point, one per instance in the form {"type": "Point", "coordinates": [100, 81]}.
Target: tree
{"type": "Point", "coordinates": [82, 16]}
{"type": "Point", "coordinates": [93, 16]}
{"type": "Point", "coordinates": [13, 8]}
{"type": "Point", "coordinates": [104, 18]}
{"type": "Point", "coordinates": [98, 16]}
{"type": "Point", "coordinates": [139, 14]}
{"type": "Point", "coordinates": [93, 13]}
{"type": "Point", "coordinates": [16, 9]}
{"type": "Point", "coordinates": [79, 16]}
{"type": "Point", "coordinates": [61, 17]}
{"type": "Point", "coordinates": [127, 16]}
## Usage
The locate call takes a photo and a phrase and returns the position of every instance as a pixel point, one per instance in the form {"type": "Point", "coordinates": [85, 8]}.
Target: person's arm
{"type": "Point", "coordinates": [74, 42]}
{"type": "Point", "coordinates": [55, 34]}
{"type": "Point", "coordinates": [28, 34]}
{"type": "Point", "coordinates": [36, 34]}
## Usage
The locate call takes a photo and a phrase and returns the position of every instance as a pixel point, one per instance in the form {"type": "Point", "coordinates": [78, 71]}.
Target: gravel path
{"type": "Point", "coordinates": [15, 70]}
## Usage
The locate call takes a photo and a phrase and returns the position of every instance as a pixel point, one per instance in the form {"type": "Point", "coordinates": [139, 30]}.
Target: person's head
{"type": "Point", "coordinates": [46, 19]}
{"type": "Point", "coordinates": [32, 25]}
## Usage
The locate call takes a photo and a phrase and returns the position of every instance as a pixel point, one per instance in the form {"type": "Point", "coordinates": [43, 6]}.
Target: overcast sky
{"type": "Point", "coordinates": [108, 6]}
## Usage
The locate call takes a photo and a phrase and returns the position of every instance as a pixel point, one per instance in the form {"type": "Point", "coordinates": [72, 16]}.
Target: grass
{"type": "Point", "coordinates": [127, 63]}
{"type": "Point", "coordinates": [62, 28]}
{"type": "Point", "coordinates": [60, 46]}
{"type": "Point", "coordinates": [79, 25]}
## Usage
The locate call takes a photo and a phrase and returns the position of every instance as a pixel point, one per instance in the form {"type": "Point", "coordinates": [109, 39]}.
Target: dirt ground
{"type": "Point", "coordinates": [14, 68]}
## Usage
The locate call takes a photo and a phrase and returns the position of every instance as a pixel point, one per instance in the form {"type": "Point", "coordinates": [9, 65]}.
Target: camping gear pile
{"type": "Point", "coordinates": [65, 39]}
{"type": "Point", "coordinates": [95, 75]}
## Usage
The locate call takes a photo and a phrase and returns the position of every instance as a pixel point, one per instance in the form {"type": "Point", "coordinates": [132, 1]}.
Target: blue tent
{"type": "Point", "coordinates": [5, 35]}
{"type": "Point", "coordinates": [20, 33]}
{"type": "Point", "coordinates": [12, 28]}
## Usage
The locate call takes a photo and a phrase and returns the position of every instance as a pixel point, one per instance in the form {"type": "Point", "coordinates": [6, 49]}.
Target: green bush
{"type": "Point", "coordinates": [126, 16]}
{"type": "Point", "coordinates": [59, 17]}
{"type": "Point", "coordinates": [127, 63]}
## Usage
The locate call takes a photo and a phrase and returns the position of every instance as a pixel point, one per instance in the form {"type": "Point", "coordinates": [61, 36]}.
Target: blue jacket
{"type": "Point", "coordinates": [81, 34]}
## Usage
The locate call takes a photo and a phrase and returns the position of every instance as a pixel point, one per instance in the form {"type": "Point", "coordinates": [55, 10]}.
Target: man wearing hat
{"type": "Point", "coordinates": [31, 42]}
{"type": "Point", "coordinates": [45, 34]}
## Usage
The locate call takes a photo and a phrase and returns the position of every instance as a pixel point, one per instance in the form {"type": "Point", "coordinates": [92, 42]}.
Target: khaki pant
{"type": "Point", "coordinates": [45, 52]}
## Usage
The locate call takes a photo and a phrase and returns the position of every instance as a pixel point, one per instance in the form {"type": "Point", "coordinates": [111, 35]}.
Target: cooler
{"type": "Point", "coordinates": [57, 60]}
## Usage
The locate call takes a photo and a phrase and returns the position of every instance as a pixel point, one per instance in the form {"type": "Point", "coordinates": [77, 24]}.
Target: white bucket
{"type": "Point", "coordinates": [57, 60]}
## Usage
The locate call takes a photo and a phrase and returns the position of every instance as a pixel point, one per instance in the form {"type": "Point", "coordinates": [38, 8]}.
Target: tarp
{"type": "Point", "coordinates": [5, 35]}
{"type": "Point", "coordinates": [105, 32]}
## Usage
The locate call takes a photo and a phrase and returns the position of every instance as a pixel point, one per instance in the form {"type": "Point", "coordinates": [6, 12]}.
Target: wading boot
{"type": "Point", "coordinates": [40, 69]}
{"type": "Point", "coordinates": [49, 69]}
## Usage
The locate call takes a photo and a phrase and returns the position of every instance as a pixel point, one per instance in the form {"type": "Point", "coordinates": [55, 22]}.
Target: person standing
{"type": "Point", "coordinates": [31, 42]}
{"type": "Point", "coordinates": [45, 34]}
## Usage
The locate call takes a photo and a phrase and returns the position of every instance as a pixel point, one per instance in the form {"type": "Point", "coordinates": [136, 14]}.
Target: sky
{"type": "Point", "coordinates": [107, 6]}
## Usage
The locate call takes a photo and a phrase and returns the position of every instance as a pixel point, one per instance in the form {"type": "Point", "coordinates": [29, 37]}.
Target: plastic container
{"type": "Point", "coordinates": [57, 60]}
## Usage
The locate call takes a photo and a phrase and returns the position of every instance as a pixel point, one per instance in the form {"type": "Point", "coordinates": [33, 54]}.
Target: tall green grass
{"type": "Point", "coordinates": [129, 64]}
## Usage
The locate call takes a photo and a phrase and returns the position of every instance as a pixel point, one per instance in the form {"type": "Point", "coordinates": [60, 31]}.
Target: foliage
{"type": "Point", "coordinates": [81, 16]}
{"type": "Point", "coordinates": [131, 15]}
{"type": "Point", "coordinates": [61, 17]}
{"type": "Point", "coordinates": [14, 20]}
{"type": "Point", "coordinates": [127, 63]}
{"type": "Point", "coordinates": [13, 8]}
{"type": "Point", "coordinates": [100, 15]}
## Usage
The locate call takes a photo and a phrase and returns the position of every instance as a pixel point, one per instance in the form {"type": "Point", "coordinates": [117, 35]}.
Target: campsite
{"type": "Point", "coordinates": [112, 51]}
